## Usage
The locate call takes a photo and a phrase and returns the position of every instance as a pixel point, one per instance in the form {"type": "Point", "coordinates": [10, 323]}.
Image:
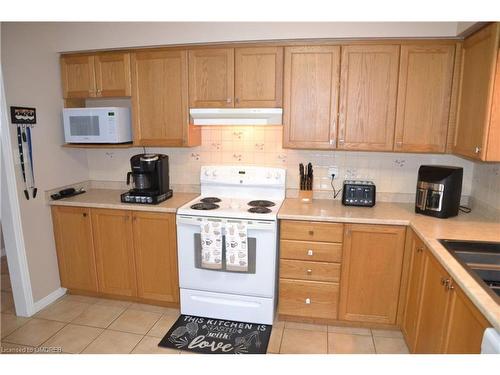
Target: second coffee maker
{"type": "Point", "coordinates": [149, 178]}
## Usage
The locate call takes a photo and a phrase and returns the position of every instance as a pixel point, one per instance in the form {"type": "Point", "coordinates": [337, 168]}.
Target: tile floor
{"type": "Point", "coordinates": [78, 324]}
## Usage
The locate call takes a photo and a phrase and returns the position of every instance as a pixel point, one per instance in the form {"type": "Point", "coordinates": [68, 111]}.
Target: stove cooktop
{"type": "Point", "coordinates": [227, 207]}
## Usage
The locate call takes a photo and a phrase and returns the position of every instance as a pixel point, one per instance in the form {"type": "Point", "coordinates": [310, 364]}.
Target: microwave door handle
{"type": "Point", "coordinates": [128, 177]}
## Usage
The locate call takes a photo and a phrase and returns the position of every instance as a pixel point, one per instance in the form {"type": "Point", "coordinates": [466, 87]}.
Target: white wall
{"type": "Point", "coordinates": [31, 70]}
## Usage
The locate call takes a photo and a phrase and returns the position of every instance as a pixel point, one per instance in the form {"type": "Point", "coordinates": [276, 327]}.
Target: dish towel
{"type": "Point", "coordinates": [236, 247]}
{"type": "Point", "coordinates": [211, 244]}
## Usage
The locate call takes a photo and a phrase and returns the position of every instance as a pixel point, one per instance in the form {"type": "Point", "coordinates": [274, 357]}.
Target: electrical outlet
{"type": "Point", "coordinates": [333, 170]}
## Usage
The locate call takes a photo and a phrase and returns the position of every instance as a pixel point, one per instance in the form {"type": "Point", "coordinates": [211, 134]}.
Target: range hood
{"type": "Point", "coordinates": [236, 116]}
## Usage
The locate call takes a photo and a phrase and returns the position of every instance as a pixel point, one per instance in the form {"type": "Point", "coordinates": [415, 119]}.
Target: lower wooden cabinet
{"type": "Point", "coordinates": [155, 246]}
{"type": "Point", "coordinates": [438, 316]}
{"type": "Point", "coordinates": [75, 249]}
{"type": "Point", "coordinates": [371, 273]}
{"type": "Point", "coordinates": [131, 254]}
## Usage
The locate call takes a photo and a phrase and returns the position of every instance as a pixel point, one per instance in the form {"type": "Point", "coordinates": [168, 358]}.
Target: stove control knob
{"type": "Point", "coordinates": [207, 172]}
{"type": "Point", "coordinates": [277, 176]}
{"type": "Point", "coordinates": [214, 174]}
{"type": "Point", "coordinates": [268, 175]}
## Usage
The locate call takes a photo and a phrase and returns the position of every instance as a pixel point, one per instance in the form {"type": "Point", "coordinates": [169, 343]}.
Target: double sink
{"type": "Point", "coordinates": [481, 260]}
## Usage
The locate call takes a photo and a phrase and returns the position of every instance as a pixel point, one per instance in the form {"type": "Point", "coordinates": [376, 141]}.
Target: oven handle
{"type": "Point", "coordinates": [251, 224]}
{"type": "Point", "coordinates": [226, 302]}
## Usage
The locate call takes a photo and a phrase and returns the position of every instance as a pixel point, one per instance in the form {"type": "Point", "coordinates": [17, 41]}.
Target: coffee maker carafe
{"type": "Point", "coordinates": [149, 178]}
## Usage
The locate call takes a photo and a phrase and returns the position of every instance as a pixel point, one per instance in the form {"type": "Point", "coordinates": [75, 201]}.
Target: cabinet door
{"type": "Point", "coordinates": [424, 94]}
{"type": "Point", "coordinates": [114, 251]}
{"type": "Point", "coordinates": [311, 97]}
{"type": "Point", "coordinates": [75, 250]}
{"type": "Point", "coordinates": [112, 70]}
{"type": "Point", "coordinates": [159, 99]}
{"type": "Point", "coordinates": [155, 247]}
{"type": "Point", "coordinates": [433, 306]}
{"type": "Point", "coordinates": [371, 273]}
{"type": "Point", "coordinates": [258, 80]}
{"type": "Point", "coordinates": [409, 323]}
{"type": "Point", "coordinates": [368, 90]}
{"type": "Point", "coordinates": [211, 78]}
{"type": "Point", "coordinates": [466, 325]}
{"type": "Point", "coordinates": [78, 76]}
{"type": "Point", "coordinates": [479, 57]}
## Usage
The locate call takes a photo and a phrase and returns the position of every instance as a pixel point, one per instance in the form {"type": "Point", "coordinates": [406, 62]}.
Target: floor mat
{"type": "Point", "coordinates": [217, 336]}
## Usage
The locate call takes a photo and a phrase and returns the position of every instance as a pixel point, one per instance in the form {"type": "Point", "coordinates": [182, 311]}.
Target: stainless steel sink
{"type": "Point", "coordinates": [481, 260]}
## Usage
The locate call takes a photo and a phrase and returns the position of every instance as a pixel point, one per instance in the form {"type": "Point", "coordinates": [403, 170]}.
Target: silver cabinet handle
{"type": "Point", "coordinates": [477, 150]}
{"type": "Point", "coordinates": [308, 301]}
{"type": "Point", "coordinates": [229, 100]}
{"type": "Point", "coordinates": [309, 272]}
{"type": "Point", "coordinates": [310, 253]}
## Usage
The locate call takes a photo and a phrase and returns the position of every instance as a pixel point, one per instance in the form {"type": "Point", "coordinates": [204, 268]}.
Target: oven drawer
{"type": "Point", "coordinates": [311, 251]}
{"type": "Point", "coordinates": [314, 271]}
{"type": "Point", "coordinates": [311, 299]}
{"type": "Point", "coordinates": [311, 231]}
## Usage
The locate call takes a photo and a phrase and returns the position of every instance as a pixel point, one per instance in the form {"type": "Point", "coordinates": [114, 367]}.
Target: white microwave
{"type": "Point", "coordinates": [97, 125]}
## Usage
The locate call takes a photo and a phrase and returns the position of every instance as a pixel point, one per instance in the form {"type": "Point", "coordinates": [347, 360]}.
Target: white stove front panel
{"type": "Point", "coordinates": [260, 284]}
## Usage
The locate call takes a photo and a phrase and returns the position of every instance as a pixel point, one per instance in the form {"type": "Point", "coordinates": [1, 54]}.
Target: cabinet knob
{"type": "Point", "coordinates": [420, 249]}
{"type": "Point", "coordinates": [477, 150]}
{"type": "Point", "coordinates": [341, 141]}
{"type": "Point", "coordinates": [310, 253]}
{"type": "Point", "coordinates": [309, 272]}
{"type": "Point", "coordinates": [308, 301]}
{"type": "Point", "coordinates": [98, 92]}
{"type": "Point", "coordinates": [443, 281]}
{"type": "Point", "coordinates": [229, 100]}
{"type": "Point", "coordinates": [311, 232]}
{"type": "Point", "coordinates": [449, 284]}
{"type": "Point", "coordinates": [84, 214]}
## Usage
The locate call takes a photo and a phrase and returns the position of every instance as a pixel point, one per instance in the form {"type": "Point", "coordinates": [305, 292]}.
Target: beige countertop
{"type": "Point", "coordinates": [471, 226]}
{"type": "Point", "coordinates": [110, 198]}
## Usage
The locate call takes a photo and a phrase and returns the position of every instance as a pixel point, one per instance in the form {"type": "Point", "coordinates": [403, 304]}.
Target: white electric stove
{"type": "Point", "coordinates": [250, 195]}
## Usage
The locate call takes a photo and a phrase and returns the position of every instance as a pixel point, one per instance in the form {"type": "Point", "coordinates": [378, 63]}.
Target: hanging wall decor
{"type": "Point", "coordinates": [25, 119]}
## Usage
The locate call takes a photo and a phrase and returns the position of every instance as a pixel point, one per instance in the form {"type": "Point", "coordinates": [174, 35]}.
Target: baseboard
{"type": "Point", "coordinates": [47, 300]}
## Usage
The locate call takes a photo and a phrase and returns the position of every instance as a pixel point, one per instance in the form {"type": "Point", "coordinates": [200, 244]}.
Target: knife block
{"type": "Point", "coordinates": [306, 196]}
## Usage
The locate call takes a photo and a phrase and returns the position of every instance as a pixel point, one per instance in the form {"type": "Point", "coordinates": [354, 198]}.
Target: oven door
{"type": "Point", "coordinates": [260, 278]}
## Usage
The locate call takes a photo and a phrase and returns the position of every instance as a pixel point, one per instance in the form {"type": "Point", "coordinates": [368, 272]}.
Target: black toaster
{"type": "Point", "coordinates": [358, 193]}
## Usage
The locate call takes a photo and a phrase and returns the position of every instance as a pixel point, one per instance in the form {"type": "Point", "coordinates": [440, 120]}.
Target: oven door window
{"type": "Point", "coordinates": [252, 246]}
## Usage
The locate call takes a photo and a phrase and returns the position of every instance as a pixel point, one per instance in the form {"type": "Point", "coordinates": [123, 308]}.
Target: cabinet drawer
{"type": "Point", "coordinates": [311, 251]}
{"type": "Point", "coordinates": [310, 299]}
{"type": "Point", "coordinates": [314, 271]}
{"type": "Point", "coordinates": [311, 231]}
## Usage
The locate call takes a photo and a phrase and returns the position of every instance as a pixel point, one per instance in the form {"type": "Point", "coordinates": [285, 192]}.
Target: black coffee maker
{"type": "Point", "coordinates": [150, 179]}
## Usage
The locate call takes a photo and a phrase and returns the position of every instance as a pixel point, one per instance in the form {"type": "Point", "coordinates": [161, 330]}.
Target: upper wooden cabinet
{"type": "Point", "coordinates": [368, 90]}
{"type": "Point", "coordinates": [258, 79]}
{"type": "Point", "coordinates": [160, 99]}
{"type": "Point", "coordinates": [311, 91]}
{"type": "Point", "coordinates": [211, 78]}
{"type": "Point", "coordinates": [424, 96]}
{"type": "Point", "coordinates": [235, 77]}
{"type": "Point", "coordinates": [78, 76]}
{"type": "Point", "coordinates": [371, 273]}
{"type": "Point", "coordinates": [75, 250]}
{"type": "Point", "coordinates": [477, 134]}
{"type": "Point", "coordinates": [112, 230]}
{"type": "Point", "coordinates": [155, 247]}
{"type": "Point", "coordinates": [105, 74]}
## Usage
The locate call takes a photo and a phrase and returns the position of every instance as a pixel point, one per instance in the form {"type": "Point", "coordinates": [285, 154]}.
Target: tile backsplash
{"type": "Point", "coordinates": [486, 186]}
{"type": "Point", "coordinates": [395, 174]}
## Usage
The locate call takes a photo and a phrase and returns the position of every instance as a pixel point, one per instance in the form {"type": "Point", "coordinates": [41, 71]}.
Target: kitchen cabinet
{"type": "Point", "coordinates": [311, 93]}
{"type": "Point", "coordinates": [211, 78]}
{"type": "Point", "coordinates": [371, 273]}
{"type": "Point", "coordinates": [105, 74]}
{"type": "Point", "coordinates": [75, 250]}
{"type": "Point", "coordinates": [465, 325]}
{"type": "Point", "coordinates": [112, 252]}
{"type": "Point", "coordinates": [236, 77]}
{"type": "Point", "coordinates": [113, 244]}
{"type": "Point", "coordinates": [414, 291]}
{"type": "Point", "coordinates": [160, 99]}
{"type": "Point", "coordinates": [258, 77]}
{"type": "Point", "coordinates": [368, 91]}
{"type": "Point", "coordinates": [433, 307]}
{"type": "Point", "coordinates": [155, 247]}
{"type": "Point", "coordinates": [478, 124]}
{"type": "Point", "coordinates": [310, 256]}
{"type": "Point", "coordinates": [424, 97]}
